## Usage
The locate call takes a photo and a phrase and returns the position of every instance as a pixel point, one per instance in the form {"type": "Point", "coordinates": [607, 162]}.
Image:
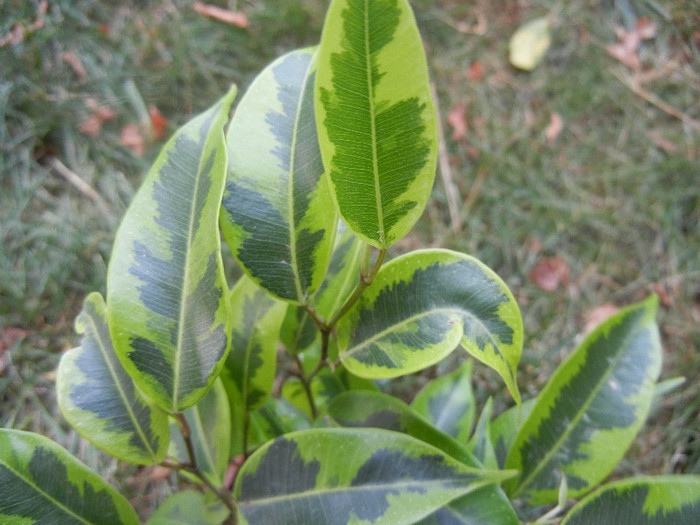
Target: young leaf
{"type": "Point", "coordinates": [376, 410]}
{"type": "Point", "coordinates": [275, 212]}
{"type": "Point", "coordinates": [646, 500]}
{"type": "Point", "coordinates": [591, 409]}
{"type": "Point", "coordinates": [340, 476]}
{"type": "Point", "coordinates": [166, 291]}
{"type": "Point", "coordinates": [448, 402]}
{"type": "Point", "coordinates": [376, 118]}
{"type": "Point", "coordinates": [187, 507]}
{"type": "Point", "coordinates": [249, 371]}
{"type": "Point", "coordinates": [42, 483]}
{"type": "Point", "coordinates": [480, 444]}
{"type": "Point", "coordinates": [421, 306]}
{"type": "Point", "coordinates": [209, 422]}
{"type": "Point", "coordinates": [99, 399]}
{"type": "Point", "coordinates": [505, 427]}
{"type": "Point", "coordinates": [299, 331]}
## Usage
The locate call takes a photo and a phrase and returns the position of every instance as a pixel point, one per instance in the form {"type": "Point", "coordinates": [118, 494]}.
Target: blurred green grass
{"type": "Point", "coordinates": [616, 194]}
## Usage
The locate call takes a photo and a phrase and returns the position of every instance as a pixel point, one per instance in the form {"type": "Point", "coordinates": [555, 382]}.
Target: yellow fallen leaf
{"type": "Point", "coordinates": [529, 44]}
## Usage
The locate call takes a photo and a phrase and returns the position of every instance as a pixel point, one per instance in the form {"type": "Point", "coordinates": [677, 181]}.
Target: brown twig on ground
{"type": "Point", "coordinates": [58, 168]}
{"type": "Point", "coordinates": [451, 191]}
{"type": "Point", "coordinates": [638, 90]}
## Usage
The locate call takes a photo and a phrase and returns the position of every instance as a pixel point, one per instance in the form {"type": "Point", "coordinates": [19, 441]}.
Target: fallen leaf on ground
{"type": "Point", "coordinates": [92, 125]}
{"type": "Point", "coordinates": [529, 44]}
{"type": "Point", "coordinates": [549, 273]}
{"type": "Point", "coordinates": [457, 119]}
{"type": "Point", "coordinates": [76, 65]}
{"type": "Point", "coordinates": [598, 315]}
{"type": "Point", "coordinates": [235, 18]}
{"type": "Point", "coordinates": [556, 125]}
{"type": "Point", "coordinates": [158, 122]}
{"type": "Point", "coordinates": [475, 72]}
{"type": "Point", "coordinates": [663, 293]}
{"type": "Point", "coordinates": [131, 138]}
{"type": "Point", "coordinates": [10, 335]}
{"type": "Point", "coordinates": [626, 50]}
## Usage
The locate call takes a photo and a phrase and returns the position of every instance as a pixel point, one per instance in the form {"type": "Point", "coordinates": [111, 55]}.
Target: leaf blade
{"type": "Point", "coordinates": [645, 500]}
{"type": "Point", "coordinates": [421, 306]}
{"type": "Point", "coordinates": [99, 399]}
{"type": "Point", "coordinates": [166, 289]}
{"type": "Point", "coordinates": [333, 476]}
{"type": "Point", "coordinates": [43, 482]}
{"type": "Point", "coordinates": [275, 214]}
{"type": "Point", "coordinates": [373, 75]}
{"type": "Point", "coordinates": [591, 409]}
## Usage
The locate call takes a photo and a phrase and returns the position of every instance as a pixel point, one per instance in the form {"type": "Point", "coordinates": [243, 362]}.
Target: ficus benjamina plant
{"type": "Point", "coordinates": [266, 397]}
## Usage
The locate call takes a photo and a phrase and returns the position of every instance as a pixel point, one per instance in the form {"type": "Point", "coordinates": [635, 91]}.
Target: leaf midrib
{"type": "Point", "coordinates": [437, 484]}
{"type": "Point", "coordinates": [122, 393]}
{"type": "Point", "coordinates": [186, 278]}
{"type": "Point", "coordinates": [407, 320]}
{"type": "Point", "coordinates": [373, 130]}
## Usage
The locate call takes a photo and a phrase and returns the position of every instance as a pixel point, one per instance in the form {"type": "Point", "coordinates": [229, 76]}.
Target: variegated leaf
{"type": "Point", "coordinates": [42, 483]}
{"type": "Point", "coordinates": [645, 500]}
{"type": "Point", "coordinates": [421, 306]}
{"type": "Point", "coordinates": [376, 118]}
{"type": "Point", "coordinates": [340, 476]}
{"type": "Point", "coordinates": [209, 423]}
{"type": "Point", "coordinates": [299, 331]}
{"type": "Point", "coordinates": [249, 371]}
{"type": "Point", "coordinates": [485, 506]}
{"type": "Point", "coordinates": [99, 399]}
{"type": "Point", "coordinates": [166, 291]}
{"type": "Point", "coordinates": [591, 409]}
{"type": "Point", "coordinates": [448, 402]}
{"type": "Point", "coordinates": [276, 214]}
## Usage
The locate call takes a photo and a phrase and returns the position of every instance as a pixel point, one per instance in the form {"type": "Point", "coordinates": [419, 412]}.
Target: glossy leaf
{"type": "Point", "coordinates": [421, 306]}
{"type": "Point", "coordinates": [485, 506]}
{"type": "Point", "coordinates": [299, 331]}
{"type": "Point", "coordinates": [340, 476]}
{"type": "Point", "coordinates": [209, 423]}
{"type": "Point", "coordinates": [376, 410]}
{"type": "Point", "coordinates": [646, 500]}
{"type": "Point", "coordinates": [591, 409]}
{"type": "Point", "coordinates": [166, 291]}
{"type": "Point", "coordinates": [376, 118]}
{"type": "Point", "coordinates": [448, 402]}
{"type": "Point", "coordinates": [99, 399]}
{"type": "Point", "coordinates": [276, 214]}
{"type": "Point", "coordinates": [188, 507]}
{"type": "Point", "coordinates": [42, 483]}
{"type": "Point", "coordinates": [480, 444]}
{"type": "Point", "coordinates": [249, 371]}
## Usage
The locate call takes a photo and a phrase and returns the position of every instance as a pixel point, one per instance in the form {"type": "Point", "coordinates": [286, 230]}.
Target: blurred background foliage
{"type": "Point", "coordinates": [578, 182]}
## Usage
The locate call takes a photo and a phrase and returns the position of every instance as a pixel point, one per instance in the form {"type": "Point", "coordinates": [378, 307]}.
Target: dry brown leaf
{"type": "Point", "coordinates": [625, 51]}
{"type": "Point", "coordinates": [457, 118]}
{"type": "Point", "coordinates": [92, 125]}
{"type": "Point", "coordinates": [549, 273]}
{"type": "Point", "coordinates": [664, 296]}
{"type": "Point", "coordinates": [158, 122]}
{"type": "Point", "coordinates": [598, 315]}
{"type": "Point", "coordinates": [76, 65]}
{"type": "Point", "coordinates": [131, 138]}
{"type": "Point", "coordinates": [235, 18]}
{"type": "Point", "coordinates": [475, 72]}
{"type": "Point", "coordinates": [556, 125]}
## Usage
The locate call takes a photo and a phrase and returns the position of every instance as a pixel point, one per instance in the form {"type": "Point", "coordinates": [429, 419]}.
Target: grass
{"type": "Point", "coordinates": [616, 194]}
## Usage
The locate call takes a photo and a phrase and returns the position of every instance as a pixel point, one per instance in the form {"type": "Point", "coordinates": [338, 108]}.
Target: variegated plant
{"type": "Point", "coordinates": [269, 392]}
